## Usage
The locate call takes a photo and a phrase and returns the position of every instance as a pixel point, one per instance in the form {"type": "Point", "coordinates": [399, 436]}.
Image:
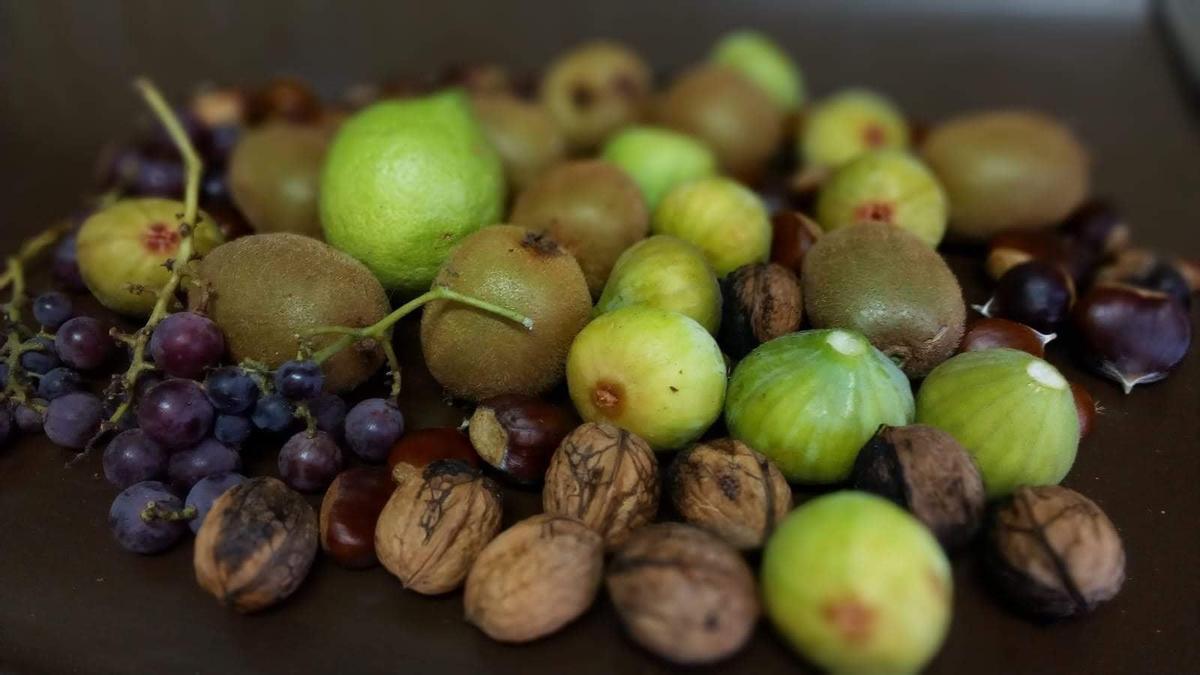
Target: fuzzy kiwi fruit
{"type": "Point", "coordinates": [886, 283]}
{"type": "Point", "coordinates": [273, 177]}
{"type": "Point", "coordinates": [264, 290]}
{"type": "Point", "coordinates": [1007, 170]}
{"type": "Point", "coordinates": [477, 355]}
{"type": "Point", "coordinates": [523, 133]}
{"type": "Point", "coordinates": [590, 207]}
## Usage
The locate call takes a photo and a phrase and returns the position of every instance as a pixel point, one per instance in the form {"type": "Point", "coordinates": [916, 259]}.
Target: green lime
{"type": "Point", "coordinates": [404, 182]}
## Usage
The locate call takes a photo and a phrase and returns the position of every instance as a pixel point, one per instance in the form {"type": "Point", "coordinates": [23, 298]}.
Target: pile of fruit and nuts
{"type": "Point", "coordinates": [739, 285]}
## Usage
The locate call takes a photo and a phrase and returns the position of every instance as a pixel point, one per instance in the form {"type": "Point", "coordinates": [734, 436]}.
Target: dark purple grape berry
{"type": "Point", "coordinates": [231, 390]}
{"type": "Point", "coordinates": [300, 380]}
{"type": "Point", "coordinates": [52, 309]}
{"type": "Point", "coordinates": [210, 456]}
{"type": "Point", "coordinates": [330, 413]}
{"type": "Point", "coordinates": [59, 382]}
{"type": "Point", "coordinates": [84, 343]}
{"type": "Point", "coordinates": [72, 420]}
{"type": "Point", "coordinates": [206, 491]}
{"type": "Point", "coordinates": [42, 359]}
{"type": "Point", "coordinates": [131, 457]}
{"type": "Point", "coordinates": [273, 414]}
{"type": "Point", "coordinates": [310, 463]}
{"type": "Point", "coordinates": [232, 430]}
{"type": "Point", "coordinates": [3, 374]}
{"type": "Point", "coordinates": [373, 427]}
{"type": "Point", "coordinates": [187, 344]}
{"type": "Point", "coordinates": [147, 518]}
{"type": "Point", "coordinates": [65, 265]}
{"type": "Point", "coordinates": [176, 414]}
{"type": "Point", "coordinates": [28, 420]}
{"type": "Point", "coordinates": [1037, 294]}
{"type": "Point", "coordinates": [147, 381]}
{"type": "Point", "coordinates": [158, 177]}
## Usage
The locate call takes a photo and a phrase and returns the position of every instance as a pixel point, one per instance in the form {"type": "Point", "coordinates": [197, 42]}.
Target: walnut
{"type": "Point", "coordinates": [683, 593]}
{"type": "Point", "coordinates": [431, 530]}
{"type": "Point", "coordinates": [535, 578]}
{"type": "Point", "coordinates": [730, 490]}
{"type": "Point", "coordinates": [606, 477]}
{"type": "Point", "coordinates": [1054, 553]}
{"type": "Point", "coordinates": [256, 545]}
{"type": "Point", "coordinates": [762, 302]}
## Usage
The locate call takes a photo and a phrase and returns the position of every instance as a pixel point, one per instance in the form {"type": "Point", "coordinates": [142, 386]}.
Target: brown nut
{"type": "Point", "coordinates": [1086, 407]}
{"type": "Point", "coordinates": [926, 471]}
{"type": "Point", "coordinates": [418, 449]}
{"type": "Point", "coordinates": [1131, 335]}
{"type": "Point", "coordinates": [762, 302]}
{"type": "Point", "coordinates": [792, 235]}
{"type": "Point", "coordinates": [1146, 270]}
{"type": "Point", "coordinates": [432, 529]}
{"type": "Point", "coordinates": [605, 477]}
{"type": "Point", "coordinates": [256, 545]}
{"type": "Point", "coordinates": [518, 434]}
{"type": "Point", "coordinates": [1009, 249]}
{"type": "Point", "coordinates": [284, 98]}
{"type": "Point", "coordinates": [534, 578]}
{"type": "Point", "coordinates": [1189, 269]}
{"type": "Point", "coordinates": [1098, 227]}
{"type": "Point", "coordinates": [683, 594]}
{"type": "Point", "coordinates": [1002, 333]}
{"type": "Point", "coordinates": [727, 488]}
{"type": "Point", "coordinates": [1054, 553]}
{"type": "Point", "coordinates": [349, 512]}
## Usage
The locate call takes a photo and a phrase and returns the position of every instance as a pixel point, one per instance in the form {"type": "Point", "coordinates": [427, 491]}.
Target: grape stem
{"type": "Point", "coordinates": [15, 342]}
{"type": "Point", "coordinates": [379, 332]}
{"type": "Point", "coordinates": [153, 511]}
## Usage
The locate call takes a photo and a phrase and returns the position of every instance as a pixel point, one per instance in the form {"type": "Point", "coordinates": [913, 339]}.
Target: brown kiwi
{"type": "Point", "coordinates": [273, 177]}
{"type": "Point", "coordinates": [264, 290]}
{"type": "Point", "coordinates": [1007, 170]}
{"type": "Point", "coordinates": [476, 355]}
{"type": "Point", "coordinates": [592, 208]}
{"type": "Point", "coordinates": [734, 116]}
{"type": "Point", "coordinates": [523, 133]}
{"type": "Point", "coordinates": [892, 287]}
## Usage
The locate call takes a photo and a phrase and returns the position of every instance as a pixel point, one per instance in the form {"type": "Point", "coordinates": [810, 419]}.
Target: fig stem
{"type": "Point", "coordinates": [379, 330]}
{"type": "Point", "coordinates": [15, 341]}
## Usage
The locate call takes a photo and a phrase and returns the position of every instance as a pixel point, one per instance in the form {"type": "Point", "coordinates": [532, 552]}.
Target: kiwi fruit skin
{"type": "Point", "coordinates": [264, 290]}
{"type": "Point", "coordinates": [475, 354]}
{"type": "Point", "coordinates": [886, 283]}
{"type": "Point", "coordinates": [590, 207]}
{"type": "Point", "coordinates": [735, 117]}
{"type": "Point", "coordinates": [524, 135]}
{"type": "Point", "coordinates": [594, 90]}
{"type": "Point", "coordinates": [273, 177]}
{"type": "Point", "coordinates": [1007, 170]}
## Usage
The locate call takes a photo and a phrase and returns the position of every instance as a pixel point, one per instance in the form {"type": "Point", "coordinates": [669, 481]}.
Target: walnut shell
{"type": "Point", "coordinates": [606, 477]}
{"type": "Point", "coordinates": [1054, 553]}
{"type": "Point", "coordinates": [431, 530]}
{"type": "Point", "coordinates": [727, 488]}
{"type": "Point", "coordinates": [535, 578]}
{"type": "Point", "coordinates": [762, 302]}
{"type": "Point", "coordinates": [683, 594]}
{"type": "Point", "coordinates": [256, 545]}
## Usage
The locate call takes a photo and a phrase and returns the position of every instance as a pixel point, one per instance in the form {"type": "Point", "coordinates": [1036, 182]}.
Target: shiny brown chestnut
{"type": "Point", "coordinates": [1142, 268]}
{"type": "Point", "coordinates": [1086, 407]}
{"type": "Point", "coordinates": [517, 434]}
{"type": "Point", "coordinates": [1189, 268]}
{"type": "Point", "coordinates": [792, 235]}
{"type": "Point", "coordinates": [1009, 249]}
{"type": "Point", "coordinates": [990, 333]}
{"type": "Point", "coordinates": [284, 98]}
{"type": "Point", "coordinates": [1132, 335]}
{"type": "Point", "coordinates": [1098, 227]}
{"type": "Point", "coordinates": [349, 512]}
{"type": "Point", "coordinates": [761, 302]}
{"type": "Point", "coordinates": [418, 449]}
{"type": "Point", "coordinates": [1036, 293]}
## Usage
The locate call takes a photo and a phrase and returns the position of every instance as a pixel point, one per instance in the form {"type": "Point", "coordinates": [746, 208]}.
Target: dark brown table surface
{"type": "Point", "coordinates": [71, 601]}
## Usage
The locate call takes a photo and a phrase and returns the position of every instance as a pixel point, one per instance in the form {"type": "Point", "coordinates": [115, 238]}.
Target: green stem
{"type": "Point", "coordinates": [31, 249]}
{"type": "Point", "coordinates": [153, 511]}
{"type": "Point", "coordinates": [14, 342]}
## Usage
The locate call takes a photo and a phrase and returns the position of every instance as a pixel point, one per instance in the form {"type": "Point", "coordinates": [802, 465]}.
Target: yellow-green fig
{"type": "Point", "coordinates": [667, 273]}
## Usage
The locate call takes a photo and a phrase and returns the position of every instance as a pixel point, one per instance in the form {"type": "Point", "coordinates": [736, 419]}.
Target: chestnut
{"type": "Point", "coordinates": [1009, 249]}
{"type": "Point", "coordinates": [349, 513]}
{"type": "Point", "coordinates": [792, 234]}
{"type": "Point", "coordinates": [1036, 293]}
{"type": "Point", "coordinates": [1141, 268]}
{"type": "Point", "coordinates": [1086, 407]}
{"type": "Point", "coordinates": [761, 302]}
{"type": "Point", "coordinates": [990, 333]}
{"type": "Point", "coordinates": [517, 434]}
{"type": "Point", "coordinates": [284, 98]}
{"type": "Point", "coordinates": [418, 449]}
{"type": "Point", "coordinates": [1097, 227]}
{"type": "Point", "coordinates": [1132, 335]}
{"type": "Point", "coordinates": [1190, 270]}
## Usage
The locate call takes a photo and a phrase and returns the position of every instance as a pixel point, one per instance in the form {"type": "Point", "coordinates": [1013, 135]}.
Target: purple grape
{"type": "Point", "coordinates": [131, 457]}
{"type": "Point", "coordinates": [29, 421]}
{"type": "Point", "coordinates": [72, 420]}
{"type": "Point", "coordinates": [232, 430]}
{"type": "Point", "coordinates": [52, 309]}
{"type": "Point", "coordinates": [206, 491]}
{"type": "Point", "coordinates": [84, 343]}
{"type": "Point", "coordinates": [176, 414]}
{"type": "Point", "coordinates": [59, 382]}
{"type": "Point", "coordinates": [231, 390]}
{"type": "Point", "coordinates": [209, 457]}
{"type": "Point", "coordinates": [147, 381]}
{"type": "Point", "coordinates": [309, 464]}
{"type": "Point", "coordinates": [3, 374]}
{"type": "Point", "coordinates": [65, 265]}
{"type": "Point", "coordinates": [330, 412]}
{"type": "Point", "coordinates": [300, 380]}
{"type": "Point", "coordinates": [158, 177]}
{"type": "Point", "coordinates": [273, 414]}
{"type": "Point", "coordinates": [373, 427]}
{"type": "Point", "coordinates": [153, 534]}
{"type": "Point", "coordinates": [7, 426]}
{"type": "Point", "coordinates": [41, 360]}
{"type": "Point", "coordinates": [186, 344]}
